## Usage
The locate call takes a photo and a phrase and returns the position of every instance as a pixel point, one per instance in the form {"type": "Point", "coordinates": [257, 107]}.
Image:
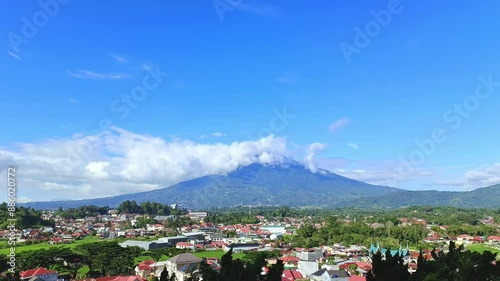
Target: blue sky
{"type": "Point", "coordinates": [232, 74]}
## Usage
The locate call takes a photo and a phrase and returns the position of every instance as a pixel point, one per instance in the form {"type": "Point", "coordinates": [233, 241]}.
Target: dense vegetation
{"type": "Point", "coordinates": [25, 218]}
{"type": "Point", "coordinates": [334, 231]}
{"type": "Point", "coordinates": [454, 265]}
{"type": "Point", "coordinates": [247, 269]}
{"type": "Point", "coordinates": [356, 230]}
{"type": "Point", "coordinates": [82, 212]}
{"type": "Point", "coordinates": [102, 258]}
{"type": "Point", "coordinates": [150, 208]}
{"type": "Point", "coordinates": [433, 215]}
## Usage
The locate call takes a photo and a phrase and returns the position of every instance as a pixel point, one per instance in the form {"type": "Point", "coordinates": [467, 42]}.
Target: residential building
{"type": "Point", "coordinates": [39, 274]}
{"type": "Point", "coordinates": [143, 269]}
{"type": "Point", "coordinates": [310, 254]}
{"type": "Point", "coordinates": [329, 275]}
{"type": "Point", "coordinates": [183, 265]}
{"type": "Point", "coordinates": [146, 245]}
{"type": "Point", "coordinates": [240, 247]}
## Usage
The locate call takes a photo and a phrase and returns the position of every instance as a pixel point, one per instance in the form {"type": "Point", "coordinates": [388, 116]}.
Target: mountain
{"type": "Point", "coordinates": [289, 184]}
{"type": "Point", "coordinates": [485, 197]}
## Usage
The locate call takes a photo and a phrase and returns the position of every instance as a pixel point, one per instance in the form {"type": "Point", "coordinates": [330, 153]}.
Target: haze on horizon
{"type": "Point", "coordinates": [107, 98]}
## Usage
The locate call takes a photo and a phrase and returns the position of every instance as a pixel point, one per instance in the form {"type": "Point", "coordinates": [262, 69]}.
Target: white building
{"type": "Point", "coordinates": [274, 229]}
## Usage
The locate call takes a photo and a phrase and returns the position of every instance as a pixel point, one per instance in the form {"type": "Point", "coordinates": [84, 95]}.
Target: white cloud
{"type": "Point", "coordinates": [480, 177]}
{"type": "Point", "coordinates": [118, 161]}
{"type": "Point", "coordinates": [87, 74]}
{"type": "Point", "coordinates": [23, 200]}
{"type": "Point", "coordinates": [353, 145]}
{"type": "Point", "coordinates": [216, 134]}
{"type": "Point", "coordinates": [72, 100]}
{"type": "Point", "coordinates": [14, 55]}
{"type": "Point", "coordinates": [339, 124]}
{"type": "Point", "coordinates": [118, 59]}
{"type": "Point", "coordinates": [390, 172]}
{"type": "Point", "coordinates": [311, 152]}
{"type": "Point", "coordinates": [97, 170]}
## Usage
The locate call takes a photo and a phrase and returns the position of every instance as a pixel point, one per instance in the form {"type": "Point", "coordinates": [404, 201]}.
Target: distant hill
{"type": "Point", "coordinates": [288, 184]}
{"type": "Point", "coordinates": [292, 185]}
{"type": "Point", "coordinates": [486, 197]}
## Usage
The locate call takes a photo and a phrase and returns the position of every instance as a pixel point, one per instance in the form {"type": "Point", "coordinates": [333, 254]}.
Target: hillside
{"type": "Point", "coordinates": [290, 185]}
{"type": "Point", "coordinates": [486, 197]}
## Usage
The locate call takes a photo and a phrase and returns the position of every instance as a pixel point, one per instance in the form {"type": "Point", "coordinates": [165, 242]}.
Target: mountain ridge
{"type": "Point", "coordinates": [290, 184]}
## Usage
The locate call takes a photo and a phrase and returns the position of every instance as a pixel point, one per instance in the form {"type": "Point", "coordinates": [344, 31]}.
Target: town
{"type": "Point", "coordinates": [327, 246]}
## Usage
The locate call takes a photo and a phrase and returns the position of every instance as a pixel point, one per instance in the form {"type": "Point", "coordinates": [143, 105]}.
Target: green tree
{"type": "Point", "coordinates": [457, 265]}
{"type": "Point", "coordinates": [109, 258]}
{"type": "Point", "coordinates": [3, 263]}
{"type": "Point", "coordinates": [391, 268]}
{"type": "Point", "coordinates": [275, 271]}
{"type": "Point", "coordinates": [207, 272]}
{"type": "Point", "coordinates": [164, 275]}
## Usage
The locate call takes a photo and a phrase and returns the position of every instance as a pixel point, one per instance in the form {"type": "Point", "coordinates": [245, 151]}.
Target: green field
{"type": "Point", "coordinates": [143, 258]}
{"type": "Point", "coordinates": [94, 239]}
{"type": "Point", "coordinates": [480, 248]}
{"type": "Point", "coordinates": [217, 254]}
{"type": "Point", "coordinates": [89, 239]}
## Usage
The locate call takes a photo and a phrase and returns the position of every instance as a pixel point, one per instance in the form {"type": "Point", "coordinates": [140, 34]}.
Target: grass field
{"type": "Point", "coordinates": [89, 239]}
{"type": "Point", "coordinates": [480, 248]}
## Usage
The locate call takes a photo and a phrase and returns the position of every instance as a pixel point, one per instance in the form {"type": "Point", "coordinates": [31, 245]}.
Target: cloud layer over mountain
{"type": "Point", "coordinates": [118, 161]}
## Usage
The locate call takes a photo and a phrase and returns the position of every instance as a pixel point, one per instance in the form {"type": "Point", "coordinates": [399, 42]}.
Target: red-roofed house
{"type": "Point", "coordinates": [464, 239]}
{"type": "Point", "coordinates": [40, 273]}
{"type": "Point", "coordinates": [357, 278]}
{"type": "Point", "coordinates": [121, 278]}
{"type": "Point", "coordinates": [144, 269]}
{"type": "Point", "coordinates": [184, 245]}
{"type": "Point", "coordinates": [290, 259]}
{"type": "Point", "coordinates": [493, 239]}
{"type": "Point", "coordinates": [129, 278]}
{"type": "Point", "coordinates": [478, 239]}
{"type": "Point", "coordinates": [291, 275]}
{"type": "Point", "coordinates": [366, 266]}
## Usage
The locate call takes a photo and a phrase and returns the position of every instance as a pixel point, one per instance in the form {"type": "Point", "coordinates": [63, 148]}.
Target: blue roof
{"type": "Point", "coordinates": [401, 252]}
